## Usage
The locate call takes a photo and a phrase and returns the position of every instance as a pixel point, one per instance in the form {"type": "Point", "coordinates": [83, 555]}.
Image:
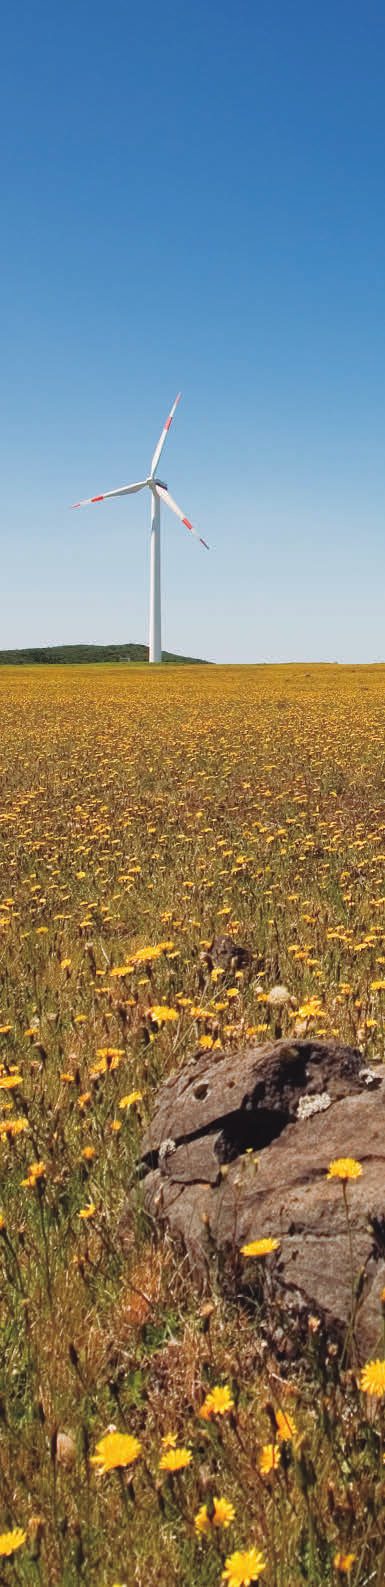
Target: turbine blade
{"type": "Point", "coordinates": [125, 490]}
{"type": "Point", "coordinates": [159, 448]}
{"type": "Point", "coordinates": [165, 495]}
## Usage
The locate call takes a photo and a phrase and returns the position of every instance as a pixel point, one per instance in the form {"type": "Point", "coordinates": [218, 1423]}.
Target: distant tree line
{"type": "Point", "coordinates": [68, 655]}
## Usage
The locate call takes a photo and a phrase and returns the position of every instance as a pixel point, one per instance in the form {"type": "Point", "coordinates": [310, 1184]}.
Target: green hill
{"type": "Point", "coordinates": [69, 655]}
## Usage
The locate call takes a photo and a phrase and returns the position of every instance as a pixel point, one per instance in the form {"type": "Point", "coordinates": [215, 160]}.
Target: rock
{"type": "Point", "coordinates": [225, 954]}
{"type": "Point", "coordinates": [296, 1105]}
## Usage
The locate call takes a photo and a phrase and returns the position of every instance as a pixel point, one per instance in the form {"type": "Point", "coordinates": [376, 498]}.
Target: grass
{"type": "Point", "coordinates": [142, 812]}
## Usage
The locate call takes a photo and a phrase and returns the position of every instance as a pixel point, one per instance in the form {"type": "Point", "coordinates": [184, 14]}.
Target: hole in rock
{"type": "Point", "coordinates": [201, 1092]}
{"type": "Point", "coordinates": [244, 1130]}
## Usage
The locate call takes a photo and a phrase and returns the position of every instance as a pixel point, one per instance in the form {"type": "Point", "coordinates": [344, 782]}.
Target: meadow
{"type": "Point", "coordinates": [149, 1435]}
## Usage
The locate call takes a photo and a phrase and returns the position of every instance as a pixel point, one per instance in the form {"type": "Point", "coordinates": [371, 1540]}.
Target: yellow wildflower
{"type": "Point", "coordinates": [217, 1403]}
{"type": "Point", "coordinates": [37, 1171]}
{"type": "Point", "coordinates": [286, 1428]}
{"type": "Point", "coordinates": [243, 1568]}
{"type": "Point", "coordinates": [13, 1126]}
{"type": "Point", "coordinates": [344, 1168]}
{"type": "Point", "coordinates": [162, 1013]}
{"type": "Point", "coordinates": [116, 1449]}
{"type": "Point", "coordinates": [260, 1247]}
{"type": "Point", "coordinates": [175, 1459]}
{"type": "Point", "coordinates": [270, 1459]}
{"type": "Point", "coordinates": [223, 1515]}
{"type": "Point", "coordinates": [9, 1541]}
{"type": "Point", "coordinates": [145, 955]}
{"type": "Point", "coordinates": [373, 1377]}
{"type": "Point", "coordinates": [343, 1563]}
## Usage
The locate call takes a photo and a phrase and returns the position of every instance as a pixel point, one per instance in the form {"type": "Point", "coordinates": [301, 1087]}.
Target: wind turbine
{"type": "Point", "coordinates": [159, 492]}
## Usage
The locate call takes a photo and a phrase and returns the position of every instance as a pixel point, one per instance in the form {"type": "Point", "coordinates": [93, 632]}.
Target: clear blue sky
{"type": "Point", "coordinates": [192, 197]}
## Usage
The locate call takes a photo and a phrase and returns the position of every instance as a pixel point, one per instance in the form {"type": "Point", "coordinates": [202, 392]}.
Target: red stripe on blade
{"type": "Point", "coordinates": [168, 422]}
{"type": "Point", "coordinates": [97, 498]}
{"type": "Point", "coordinates": [75, 504]}
{"type": "Point", "coordinates": [188, 525]}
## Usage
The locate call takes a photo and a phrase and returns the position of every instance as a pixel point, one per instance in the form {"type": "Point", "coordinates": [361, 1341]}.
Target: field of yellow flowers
{"type": "Point", "coordinates": [146, 1436]}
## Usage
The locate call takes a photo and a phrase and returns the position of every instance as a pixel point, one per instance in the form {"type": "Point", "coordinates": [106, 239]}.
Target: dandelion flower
{"type": "Point", "coordinates": [223, 1515]}
{"type": "Point", "coordinates": [88, 1212]}
{"type": "Point", "coordinates": [243, 1568]}
{"type": "Point", "coordinates": [162, 1013]}
{"type": "Point", "coordinates": [129, 1101]}
{"type": "Point", "coordinates": [37, 1171]}
{"type": "Point", "coordinates": [286, 1427]}
{"type": "Point", "coordinates": [217, 1403]}
{"type": "Point", "coordinates": [343, 1563]}
{"type": "Point", "coordinates": [175, 1459]}
{"type": "Point", "coordinates": [373, 1377]}
{"type": "Point", "coordinates": [13, 1126]}
{"type": "Point", "coordinates": [344, 1168]}
{"type": "Point", "coordinates": [110, 1052]}
{"type": "Point", "coordinates": [270, 1459]}
{"type": "Point", "coordinates": [116, 1449]}
{"type": "Point", "coordinates": [260, 1247]}
{"type": "Point", "coordinates": [145, 955]}
{"type": "Point", "coordinates": [9, 1541]}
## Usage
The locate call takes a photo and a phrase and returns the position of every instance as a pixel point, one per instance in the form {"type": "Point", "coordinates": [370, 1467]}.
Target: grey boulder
{"type": "Point", "coordinates": [239, 1148]}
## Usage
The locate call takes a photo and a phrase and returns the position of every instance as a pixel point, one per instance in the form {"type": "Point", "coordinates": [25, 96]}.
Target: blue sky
{"type": "Point", "coordinates": [193, 198]}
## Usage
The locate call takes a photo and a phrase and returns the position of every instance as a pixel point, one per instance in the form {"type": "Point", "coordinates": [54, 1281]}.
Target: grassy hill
{"type": "Point", "coordinates": [69, 655]}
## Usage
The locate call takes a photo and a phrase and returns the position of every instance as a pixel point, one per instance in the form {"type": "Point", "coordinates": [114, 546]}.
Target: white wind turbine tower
{"type": "Point", "coordinates": [159, 492]}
